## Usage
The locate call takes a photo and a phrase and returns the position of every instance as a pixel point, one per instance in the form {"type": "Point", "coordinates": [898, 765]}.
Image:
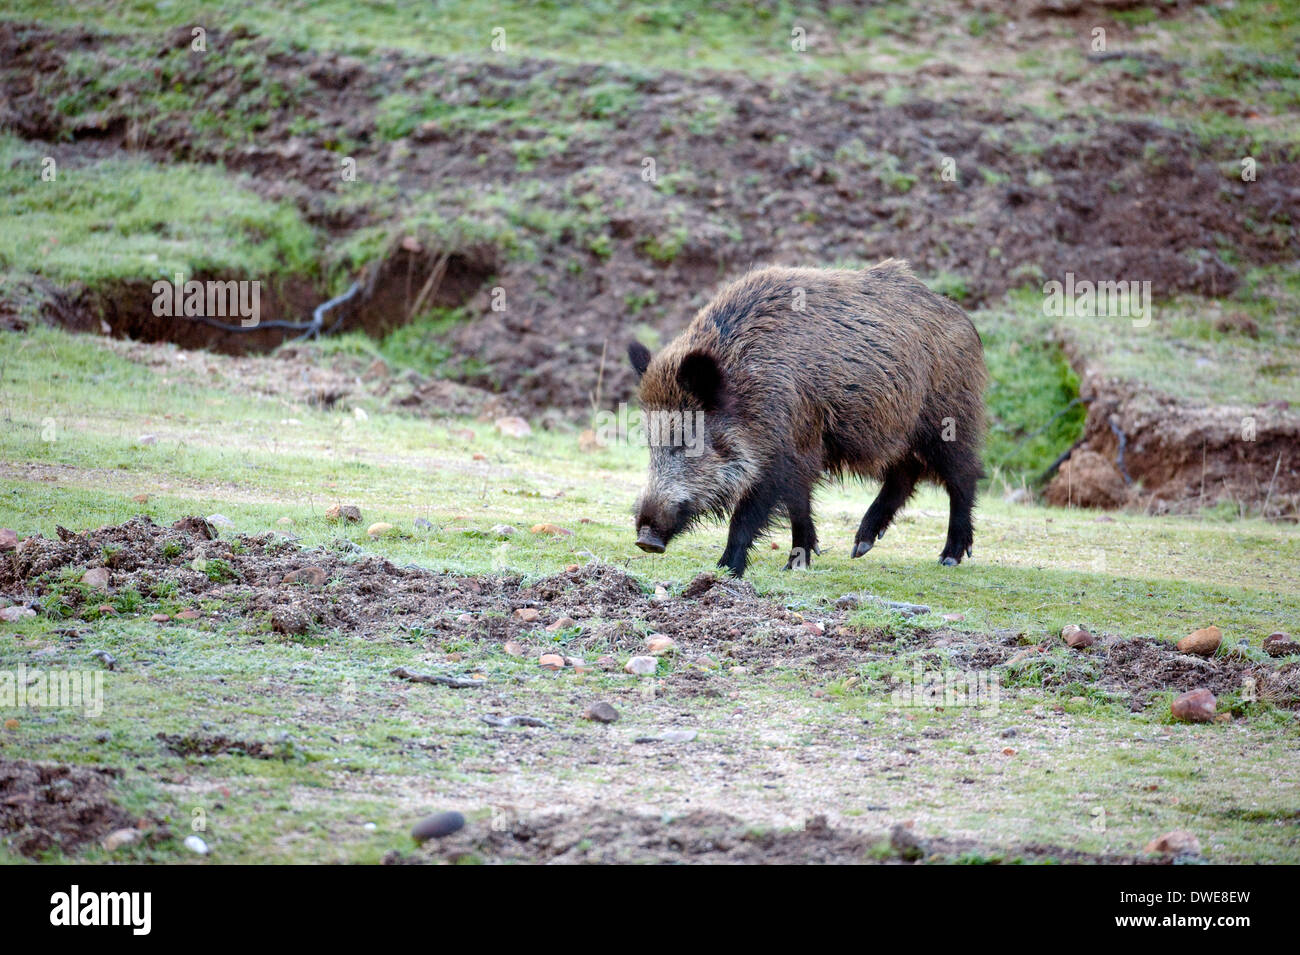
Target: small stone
{"type": "Point", "coordinates": [601, 712]}
{"type": "Point", "coordinates": [513, 427]}
{"type": "Point", "coordinates": [1008, 751]}
{"type": "Point", "coordinates": [11, 724]}
{"type": "Point", "coordinates": [188, 615]}
{"type": "Point", "coordinates": [285, 522]}
{"type": "Point", "coordinates": [479, 456]}
{"type": "Point", "coordinates": [108, 610]}
{"type": "Point", "coordinates": [606, 662]}
{"type": "Point", "coordinates": [954, 617]}
{"type": "Point", "coordinates": [220, 520]}
{"type": "Point", "coordinates": [564, 623]}
{"type": "Point", "coordinates": [679, 736]}
{"type": "Point", "coordinates": [96, 577]}
{"type": "Point", "coordinates": [641, 666]}
{"type": "Point", "coordinates": [1196, 706]}
{"type": "Point", "coordinates": [1203, 642]}
{"type": "Point", "coordinates": [1179, 842]}
{"type": "Point", "coordinates": [661, 592]}
{"type": "Point", "coordinates": [148, 439]}
{"type": "Point", "coordinates": [422, 524]}
{"type": "Point", "coordinates": [1009, 732]}
{"type": "Point", "coordinates": [815, 627]}
{"type": "Point", "coordinates": [343, 512]}
{"type": "Point", "coordinates": [360, 414]}
{"type": "Point", "coordinates": [290, 620]}
{"type": "Point", "coordinates": [551, 661]}
{"type": "Point", "coordinates": [121, 837]}
{"type": "Point", "coordinates": [572, 569]}
{"type": "Point", "coordinates": [658, 644]}
{"type": "Point", "coordinates": [465, 619]}
{"type": "Point", "coordinates": [551, 529]}
{"type": "Point", "coordinates": [739, 671]}
{"type": "Point", "coordinates": [140, 498]}
{"type": "Point", "coordinates": [8, 539]}
{"type": "Point", "coordinates": [436, 826]}
{"type": "Point", "coordinates": [196, 845]}
{"type": "Point", "coordinates": [512, 648]}
{"type": "Point", "coordinates": [528, 614]}
{"type": "Point", "coordinates": [14, 614]}
{"type": "Point", "coordinates": [314, 576]}
{"type": "Point", "coordinates": [502, 531]}
{"type": "Point", "coordinates": [379, 529]}
{"type": "Point", "coordinates": [1076, 638]}
{"type": "Point", "coordinates": [1280, 645]}
{"type": "Point", "coordinates": [160, 618]}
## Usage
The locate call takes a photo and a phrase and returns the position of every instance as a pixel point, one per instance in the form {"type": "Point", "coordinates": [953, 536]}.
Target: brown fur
{"type": "Point", "coordinates": [863, 380]}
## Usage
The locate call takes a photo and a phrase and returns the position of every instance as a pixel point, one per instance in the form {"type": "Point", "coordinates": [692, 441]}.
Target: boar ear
{"type": "Point", "coordinates": [701, 376]}
{"type": "Point", "coordinates": [639, 355]}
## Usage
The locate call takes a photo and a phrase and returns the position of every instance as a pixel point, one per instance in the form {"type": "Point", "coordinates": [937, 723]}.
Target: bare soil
{"type": "Point", "coordinates": [43, 807]}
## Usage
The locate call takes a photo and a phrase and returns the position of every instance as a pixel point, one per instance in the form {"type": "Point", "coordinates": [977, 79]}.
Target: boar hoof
{"type": "Point", "coordinates": [861, 547]}
{"type": "Point", "coordinates": [948, 561]}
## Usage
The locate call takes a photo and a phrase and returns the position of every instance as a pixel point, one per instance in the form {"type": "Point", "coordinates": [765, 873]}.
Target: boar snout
{"type": "Point", "coordinates": [649, 541]}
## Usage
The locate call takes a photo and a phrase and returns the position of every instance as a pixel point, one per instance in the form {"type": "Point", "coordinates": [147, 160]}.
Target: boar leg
{"type": "Point", "coordinates": [803, 534]}
{"type": "Point", "coordinates": [748, 520]}
{"type": "Point", "coordinates": [960, 470]}
{"type": "Point", "coordinates": [900, 482]}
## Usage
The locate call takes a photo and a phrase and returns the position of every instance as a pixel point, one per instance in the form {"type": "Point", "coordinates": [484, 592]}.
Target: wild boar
{"type": "Point", "coordinates": [797, 375]}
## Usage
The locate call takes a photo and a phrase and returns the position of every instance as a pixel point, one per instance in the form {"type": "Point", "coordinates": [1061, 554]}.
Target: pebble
{"type": "Point", "coordinates": [502, 531]}
{"type": "Point", "coordinates": [528, 614]}
{"type": "Point", "coordinates": [679, 736]}
{"type": "Point", "coordinates": [96, 577]}
{"type": "Point", "coordinates": [548, 528]}
{"type": "Point", "coordinates": [1201, 642]}
{"type": "Point", "coordinates": [513, 427]}
{"type": "Point", "coordinates": [422, 524]}
{"type": "Point", "coordinates": [196, 845]}
{"type": "Point", "coordinates": [1076, 638]}
{"type": "Point", "coordinates": [1280, 645]}
{"type": "Point", "coordinates": [285, 522]}
{"type": "Point", "coordinates": [13, 614]}
{"type": "Point", "coordinates": [121, 837]}
{"type": "Point", "coordinates": [379, 529]}
{"type": "Point", "coordinates": [438, 825]}
{"type": "Point", "coordinates": [343, 512]}
{"type": "Point", "coordinates": [571, 568]}
{"type": "Point", "coordinates": [551, 661]}
{"type": "Point", "coordinates": [564, 623]}
{"type": "Point", "coordinates": [1196, 706]}
{"type": "Point", "coordinates": [658, 644]}
{"type": "Point", "coordinates": [108, 610]}
{"type": "Point", "coordinates": [220, 520]}
{"type": "Point", "coordinates": [148, 439]}
{"type": "Point", "coordinates": [954, 617]}
{"type": "Point", "coordinates": [8, 539]}
{"type": "Point", "coordinates": [160, 618]}
{"type": "Point", "coordinates": [314, 576]}
{"type": "Point", "coordinates": [1176, 843]}
{"type": "Point", "coordinates": [465, 619]}
{"type": "Point", "coordinates": [140, 498]}
{"type": "Point", "coordinates": [513, 649]}
{"type": "Point", "coordinates": [641, 666]}
{"type": "Point", "coordinates": [188, 615]}
{"type": "Point", "coordinates": [606, 662]}
{"type": "Point", "coordinates": [601, 712]}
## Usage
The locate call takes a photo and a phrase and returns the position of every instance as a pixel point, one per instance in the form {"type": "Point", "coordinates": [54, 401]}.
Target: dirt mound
{"type": "Point", "coordinates": [1180, 457]}
{"type": "Point", "coordinates": [605, 837]}
{"type": "Point", "coordinates": [44, 807]}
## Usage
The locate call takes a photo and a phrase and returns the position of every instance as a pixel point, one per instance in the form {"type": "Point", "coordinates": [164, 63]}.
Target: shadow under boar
{"type": "Point", "coordinates": [791, 376]}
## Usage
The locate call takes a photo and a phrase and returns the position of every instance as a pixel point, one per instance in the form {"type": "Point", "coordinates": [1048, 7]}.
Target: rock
{"type": "Point", "coordinates": [8, 539]}
{"type": "Point", "coordinates": [148, 439]}
{"type": "Point", "coordinates": [551, 661]}
{"type": "Point", "coordinates": [96, 577]}
{"type": "Point", "coordinates": [196, 845]}
{"type": "Point", "coordinates": [502, 531]}
{"type": "Point", "coordinates": [14, 614]}
{"type": "Point", "coordinates": [815, 627]}
{"type": "Point", "coordinates": [1196, 706]}
{"type": "Point", "coordinates": [601, 712]}
{"type": "Point", "coordinates": [290, 621]}
{"type": "Point", "coordinates": [847, 602]}
{"type": "Point", "coordinates": [379, 529]}
{"type": "Point", "coordinates": [551, 529]}
{"type": "Point", "coordinates": [564, 623]}
{"type": "Point", "coordinates": [679, 736]}
{"type": "Point", "coordinates": [360, 414]}
{"type": "Point", "coordinates": [528, 614]}
{"type": "Point", "coordinates": [641, 666]}
{"type": "Point", "coordinates": [479, 456]}
{"type": "Point", "coordinates": [422, 524]}
{"type": "Point", "coordinates": [658, 644]}
{"type": "Point", "coordinates": [571, 568]}
{"type": "Point", "coordinates": [220, 520]}
{"type": "Point", "coordinates": [1179, 842]}
{"type": "Point", "coordinates": [1087, 479]}
{"type": "Point", "coordinates": [513, 427]}
{"type": "Point", "coordinates": [1018, 495]}
{"type": "Point", "coordinates": [188, 615]}
{"type": "Point", "coordinates": [954, 617]}
{"type": "Point", "coordinates": [108, 610]}
{"type": "Point", "coordinates": [1076, 638]}
{"type": "Point", "coordinates": [438, 825]}
{"type": "Point", "coordinates": [1280, 645]}
{"type": "Point", "coordinates": [313, 576]}
{"type": "Point", "coordinates": [606, 662]}
{"type": "Point", "coordinates": [465, 619]}
{"type": "Point", "coordinates": [512, 648]}
{"type": "Point", "coordinates": [1203, 642]}
{"type": "Point", "coordinates": [140, 498]}
{"type": "Point", "coordinates": [343, 512]}
{"type": "Point", "coordinates": [121, 837]}
{"type": "Point", "coordinates": [160, 618]}
{"type": "Point", "coordinates": [285, 522]}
